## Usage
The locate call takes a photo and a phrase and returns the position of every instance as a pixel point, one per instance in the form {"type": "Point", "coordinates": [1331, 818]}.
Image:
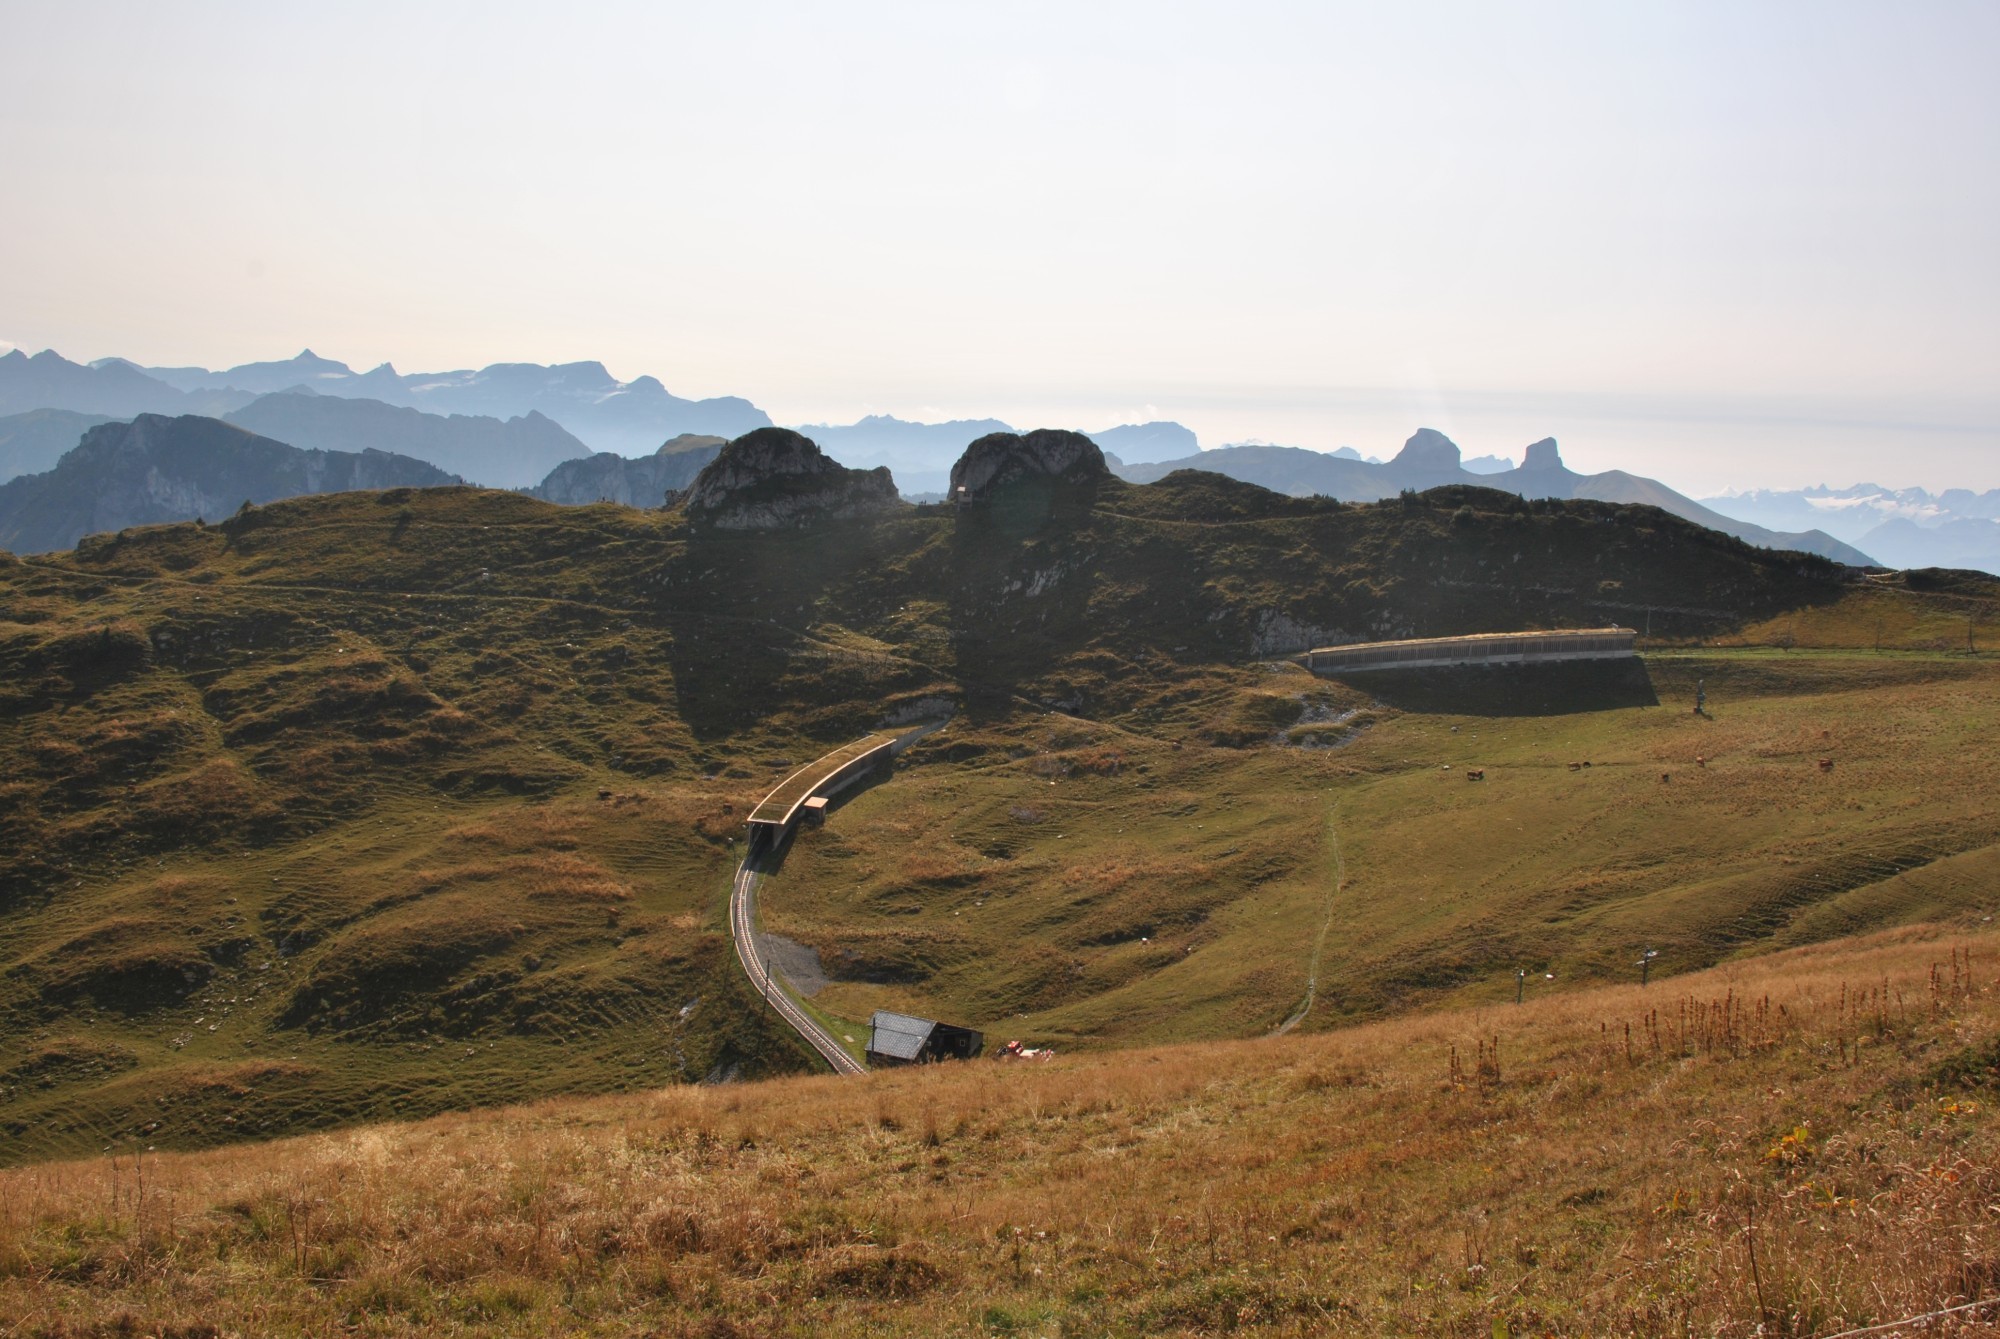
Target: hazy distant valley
{"type": "Point", "coordinates": [1906, 527]}
{"type": "Point", "coordinates": [574, 434]}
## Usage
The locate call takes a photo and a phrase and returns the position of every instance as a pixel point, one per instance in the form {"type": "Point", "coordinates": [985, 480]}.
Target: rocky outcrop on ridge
{"type": "Point", "coordinates": [1427, 460]}
{"type": "Point", "coordinates": [1001, 458]}
{"type": "Point", "coordinates": [776, 479]}
{"type": "Point", "coordinates": [1542, 455]}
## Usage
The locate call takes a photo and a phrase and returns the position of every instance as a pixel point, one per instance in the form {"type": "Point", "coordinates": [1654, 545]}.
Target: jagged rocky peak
{"type": "Point", "coordinates": [774, 478]}
{"type": "Point", "coordinates": [1543, 455]}
{"type": "Point", "coordinates": [1428, 449]}
{"type": "Point", "coordinates": [1000, 458]}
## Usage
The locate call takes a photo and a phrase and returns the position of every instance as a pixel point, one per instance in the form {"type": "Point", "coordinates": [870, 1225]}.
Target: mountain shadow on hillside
{"type": "Point", "coordinates": [742, 609]}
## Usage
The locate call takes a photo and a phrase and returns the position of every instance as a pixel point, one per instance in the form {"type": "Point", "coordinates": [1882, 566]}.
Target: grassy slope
{"type": "Point", "coordinates": [302, 818]}
{"type": "Point", "coordinates": [1793, 1145]}
{"type": "Point", "coordinates": [1083, 885]}
{"type": "Point", "coordinates": [305, 827]}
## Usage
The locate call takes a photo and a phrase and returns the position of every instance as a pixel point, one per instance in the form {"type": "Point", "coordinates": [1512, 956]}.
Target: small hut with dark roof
{"type": "Point", "coordinates": [899, 1039]}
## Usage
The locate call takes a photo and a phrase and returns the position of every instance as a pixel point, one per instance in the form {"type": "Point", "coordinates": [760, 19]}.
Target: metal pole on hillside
{"type": "Point", "coordinates": [1520, 983]}
{"type": "Point", "coordinates": [1646, 965]}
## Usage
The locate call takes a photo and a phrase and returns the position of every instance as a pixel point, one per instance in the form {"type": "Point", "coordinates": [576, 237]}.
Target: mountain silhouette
{"type": "Point", "coordinates": [1429, 459]}
{"type": "Point", "coordinates": [629, 417]}
{"type": "Point", "coordinates": [157, 469]}
{"type": "Point", "coordinates": [35, 441]}
{"type": "Point", "coordinates": [517, 453]}
{"type": "Point", "coordinates": [113, 388]}
{"type": "Point", "coordinates": [641, 482]}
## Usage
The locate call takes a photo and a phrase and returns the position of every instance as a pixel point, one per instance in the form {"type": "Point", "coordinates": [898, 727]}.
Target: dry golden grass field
{"type": "Point", "coordinates": [1792, 1145]}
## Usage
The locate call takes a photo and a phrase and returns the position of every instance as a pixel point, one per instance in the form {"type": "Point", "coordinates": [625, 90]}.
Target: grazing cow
{"type": "Point", "coordinates": [1826, 764]}
{"type": "Point", "coordinates": [1479, 775]}
{"type": "Point", "coordinates": [1666, 776]}
{"type": "Point", "coordinates": [1700, 761]}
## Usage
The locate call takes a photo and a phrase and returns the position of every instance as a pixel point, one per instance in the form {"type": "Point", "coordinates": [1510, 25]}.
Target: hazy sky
{"type": "Point", "coordinates": [1730, 243]}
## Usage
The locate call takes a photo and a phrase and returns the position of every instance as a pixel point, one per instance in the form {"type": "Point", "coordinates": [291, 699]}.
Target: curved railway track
{"type": "Point", "coordinates": [784, 804]}
{"type": "Point", "coordinates": [743, 929]}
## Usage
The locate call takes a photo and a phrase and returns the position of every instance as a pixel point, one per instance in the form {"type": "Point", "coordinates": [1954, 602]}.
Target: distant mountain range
{"type": "Point", "coordinates": [607, 477]}
{"type": "Point", "coordinates": [1145, 443]}
{"type": "Point", "coordinates": [517, 453]}
{"type": "Point", "coordinates": [560, 432]}
{"type": "Point", "coordinates": [921, 454]}
{"type": "Point", "coordinates": [35, 441]}
{"type": "Point", "coordinates": [629, 417]}
{"type": "Point", "coordinates": [1430, 459]}
{"type": "Point", "coordinates": [1904, 527]}
{"type": "Point", "coordinates": [113, 389]}
{"type": "Point", "coordinates": [157, 469]}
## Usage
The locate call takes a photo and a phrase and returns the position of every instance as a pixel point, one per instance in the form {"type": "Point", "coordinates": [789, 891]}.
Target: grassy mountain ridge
{"type": "Point", "coordinates": [379, 804]}
{"type": "Point", "coordinates": [1430, 460]}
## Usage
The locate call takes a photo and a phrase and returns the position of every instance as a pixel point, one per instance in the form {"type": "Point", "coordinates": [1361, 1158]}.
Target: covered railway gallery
{"type": "Point", "coordinates": [1486, 648]}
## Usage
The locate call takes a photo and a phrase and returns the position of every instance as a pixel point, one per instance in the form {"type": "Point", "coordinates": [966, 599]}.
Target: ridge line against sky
{"type": "Point", "coordinates": [1724, 245]}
